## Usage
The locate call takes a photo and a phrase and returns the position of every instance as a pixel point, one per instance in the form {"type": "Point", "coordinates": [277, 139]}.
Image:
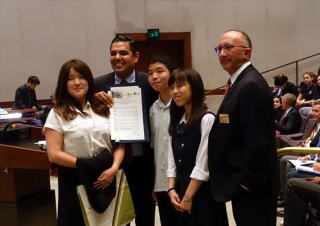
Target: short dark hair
{"type": "Point", "coordinates": [124, 38]}
{"type": "Point", "coordinates": [280, 80]}
{"type": "Point", "coordinates": [319, 71]}
{"type": "Point", "coordinates": [198, 108]}
{"type": "Point", "coordinates": [244, 34]}
{"type": "Point", "coordinates": [164, 59]}
{"type": "Point", "coordinates": [33, 79]}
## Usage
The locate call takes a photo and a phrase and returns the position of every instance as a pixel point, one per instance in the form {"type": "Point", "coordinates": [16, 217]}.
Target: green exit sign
{"type": "Point", "coordinates": [153, 33]}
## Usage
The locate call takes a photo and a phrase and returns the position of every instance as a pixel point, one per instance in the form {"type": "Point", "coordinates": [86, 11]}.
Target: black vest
{"type": "Point", "coordinates": [185, 146]}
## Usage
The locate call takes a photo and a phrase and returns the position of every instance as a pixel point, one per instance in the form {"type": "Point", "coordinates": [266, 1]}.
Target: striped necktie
{"type": "Point", "coordinates": [312, 134]}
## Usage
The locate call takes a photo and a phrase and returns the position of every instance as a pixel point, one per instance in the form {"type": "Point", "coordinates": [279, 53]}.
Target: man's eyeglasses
{"type": "Point", "coordinates": [218, 49]}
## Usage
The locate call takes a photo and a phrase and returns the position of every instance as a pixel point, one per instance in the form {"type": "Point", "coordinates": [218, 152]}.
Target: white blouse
{"type": "Point", "coordinates": [83, 137]}
{"type": "Point", "coordinates": [200, 170]}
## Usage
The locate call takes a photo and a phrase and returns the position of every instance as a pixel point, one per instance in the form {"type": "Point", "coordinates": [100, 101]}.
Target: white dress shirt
{"type": "Point", "coordinates": [83, 137]}
{"type": "Point", "coordinates": [235, 75]}
{"type": "Point", "coordinates": [200, 170]}
{"type": "Point", "coordinates": [159, 124]}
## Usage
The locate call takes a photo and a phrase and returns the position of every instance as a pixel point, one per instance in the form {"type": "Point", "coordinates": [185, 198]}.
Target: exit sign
{"type": "Point", "coordinates": [153, 33]}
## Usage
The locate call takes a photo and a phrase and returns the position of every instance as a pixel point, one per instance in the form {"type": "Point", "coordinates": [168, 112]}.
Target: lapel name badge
{"type": "Point", "coordinates": [224, 118]}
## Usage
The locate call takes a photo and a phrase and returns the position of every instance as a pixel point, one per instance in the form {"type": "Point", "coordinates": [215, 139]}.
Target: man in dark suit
{"type": "Point", "coordinates": [25, 96]}
{"type": "Point", "coordinates": [291, 120]}
{"type": "Point", "coordinates": [138, 163]}
{"type": "Point", "coordinates": [311, 139]}
{"type": "Point", "coordinates": [242, 155]}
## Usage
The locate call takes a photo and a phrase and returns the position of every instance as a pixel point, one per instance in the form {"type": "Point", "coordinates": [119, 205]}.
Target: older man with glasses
{"type": "Point", "coordinates": [242, 154]}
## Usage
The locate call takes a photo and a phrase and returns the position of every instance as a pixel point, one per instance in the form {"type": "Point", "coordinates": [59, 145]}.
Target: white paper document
{"type": "Point", "coordinates": [301, 163]}
{"type": "Point", "coordinates": [126, 115]}
{"type": "Point", "coordinates": [307, 169]}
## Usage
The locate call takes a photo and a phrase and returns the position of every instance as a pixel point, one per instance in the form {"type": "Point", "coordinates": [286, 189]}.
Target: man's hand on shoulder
{"type": "Point", "coordinates": [104, 98]}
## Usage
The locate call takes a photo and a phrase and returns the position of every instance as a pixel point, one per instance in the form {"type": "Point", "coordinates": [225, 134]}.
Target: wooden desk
{"type": "Point", "coordinates": [25, 185]}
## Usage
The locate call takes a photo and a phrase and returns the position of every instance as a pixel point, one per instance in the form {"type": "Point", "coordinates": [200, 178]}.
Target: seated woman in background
{"type": "Point", "coordinates": [308, 90]}
{"type": "Point", "coordinates": [306, 111]}
{"type": "Point", "coordinates": [190, 125]}
{"type": "Point", "coordinates": [78, 128]}
{"type": "Point", "coordinates": [278, 111]}
{"type": "Point", "coordinates": [283, 86]}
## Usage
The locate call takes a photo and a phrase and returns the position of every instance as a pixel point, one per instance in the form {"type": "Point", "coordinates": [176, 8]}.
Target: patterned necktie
{"type": "Point", "coordinates": [311, 135]}
{"type": "Point", "coordinates": [315, 140]}
{"type": "Point", "coordinates": [227, 87]}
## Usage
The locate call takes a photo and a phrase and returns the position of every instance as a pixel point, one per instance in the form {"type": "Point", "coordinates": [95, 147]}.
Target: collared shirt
{"type": "Point", "coordinates": [315, 156]}
{"type": "Point", "coordinates": [286, 112]}
{"type": "Point", "coordinates": [200, 170]}
{"type": "Point", "coordinates": [235, 75]}
{"type": "Point", "coordinates": [159, 123]}
{"type": "Point", "coordinates": [130, 79]}
{"type": "Point", "coordinates": [83, 137]}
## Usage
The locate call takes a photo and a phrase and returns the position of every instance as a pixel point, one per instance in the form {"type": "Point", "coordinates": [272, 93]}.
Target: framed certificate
{"type": "Point", "coordinates": [129, 122]}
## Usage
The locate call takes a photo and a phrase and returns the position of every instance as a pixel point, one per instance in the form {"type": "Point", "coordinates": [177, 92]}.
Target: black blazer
{"type": "Point", "coordinates": [25, 98]}
{"type": "Point", "coordinates": [290, 123]}
{"type": "Point", "coordinates": [242, 140]}
{"type": "Point", "coordinates": [290, 88]}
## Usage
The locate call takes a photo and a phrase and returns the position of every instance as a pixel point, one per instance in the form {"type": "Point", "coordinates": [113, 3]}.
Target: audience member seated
{"type": "Point", "coordinates": [295, 139]}
{"type": "Point", "coordinates": [300, 193]}
{"type": "Point", "coordinates": [308, 91]}
{"type": "Point", "coordinates": [306, 111]}
{"type": "Point", "coordinates": [278, 111]}
{"type": "Point", "coordinates": [25, 96]}
{"type": "Point", "coordinates": [311, 141]}
{"type": "Point", "coordinates": [290, 120]}
{"type": "Point", "coordinates": [42, 115]}
{"type": "Point", "coordinates": [283, 86]}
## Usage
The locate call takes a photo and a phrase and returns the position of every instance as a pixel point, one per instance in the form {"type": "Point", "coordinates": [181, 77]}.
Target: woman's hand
{"type": "Point", "coordinates": [175, 200]}
{"type": "Point", "coordinates": [186, 205]}
{"type": "Point", "coordinates": [299, 103]}
{"type": "Point", "coordinates": [105, 98]}
{"type": "Point", "coordinates": [105, 178]}
{"type": "Point", "coordinates": [304, 158]}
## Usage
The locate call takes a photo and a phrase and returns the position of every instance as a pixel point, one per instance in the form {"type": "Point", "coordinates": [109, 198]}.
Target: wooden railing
{"type": "Point", "coordinates": [220, 90]}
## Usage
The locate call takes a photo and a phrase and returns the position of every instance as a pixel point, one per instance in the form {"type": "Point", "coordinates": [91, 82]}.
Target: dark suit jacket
{"type": "Point", "coordinates": [25, 98]}
{"type": "Point", "coordinates": [104, 82]}
{"type": "Point", "coordinates": [295, 139]}
{"type": "Point", "coordinates": [290, 88]}
{"type": "Point", "coordinates": [242, 140]}
{"type": "Point", "coordinates": [290, 123]}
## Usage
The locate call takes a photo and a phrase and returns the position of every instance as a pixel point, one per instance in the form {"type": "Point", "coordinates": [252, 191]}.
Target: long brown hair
{"type": "Point", "coordinates": [66, 106]}
{"type": "Point", "coordinates": [198, 107]}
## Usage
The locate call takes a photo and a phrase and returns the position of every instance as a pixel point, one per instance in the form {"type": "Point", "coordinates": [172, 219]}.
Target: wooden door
{"type": "Point", "coordinates": [177, 45]}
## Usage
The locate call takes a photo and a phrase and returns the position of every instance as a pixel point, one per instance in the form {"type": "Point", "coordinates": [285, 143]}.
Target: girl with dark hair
{"type": "Point", "coordinates": [283, 86]}
{"type": "Point", "coordinates": [160, 67]}
{"type": "Point", "coordinates": [190, 125]}
{"type": "Point", "coordinates": [277, 106]}
{"type": "Point", "coordinates": [78, 128]}
{"type": "Point", "coordinates": [308, 90]}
